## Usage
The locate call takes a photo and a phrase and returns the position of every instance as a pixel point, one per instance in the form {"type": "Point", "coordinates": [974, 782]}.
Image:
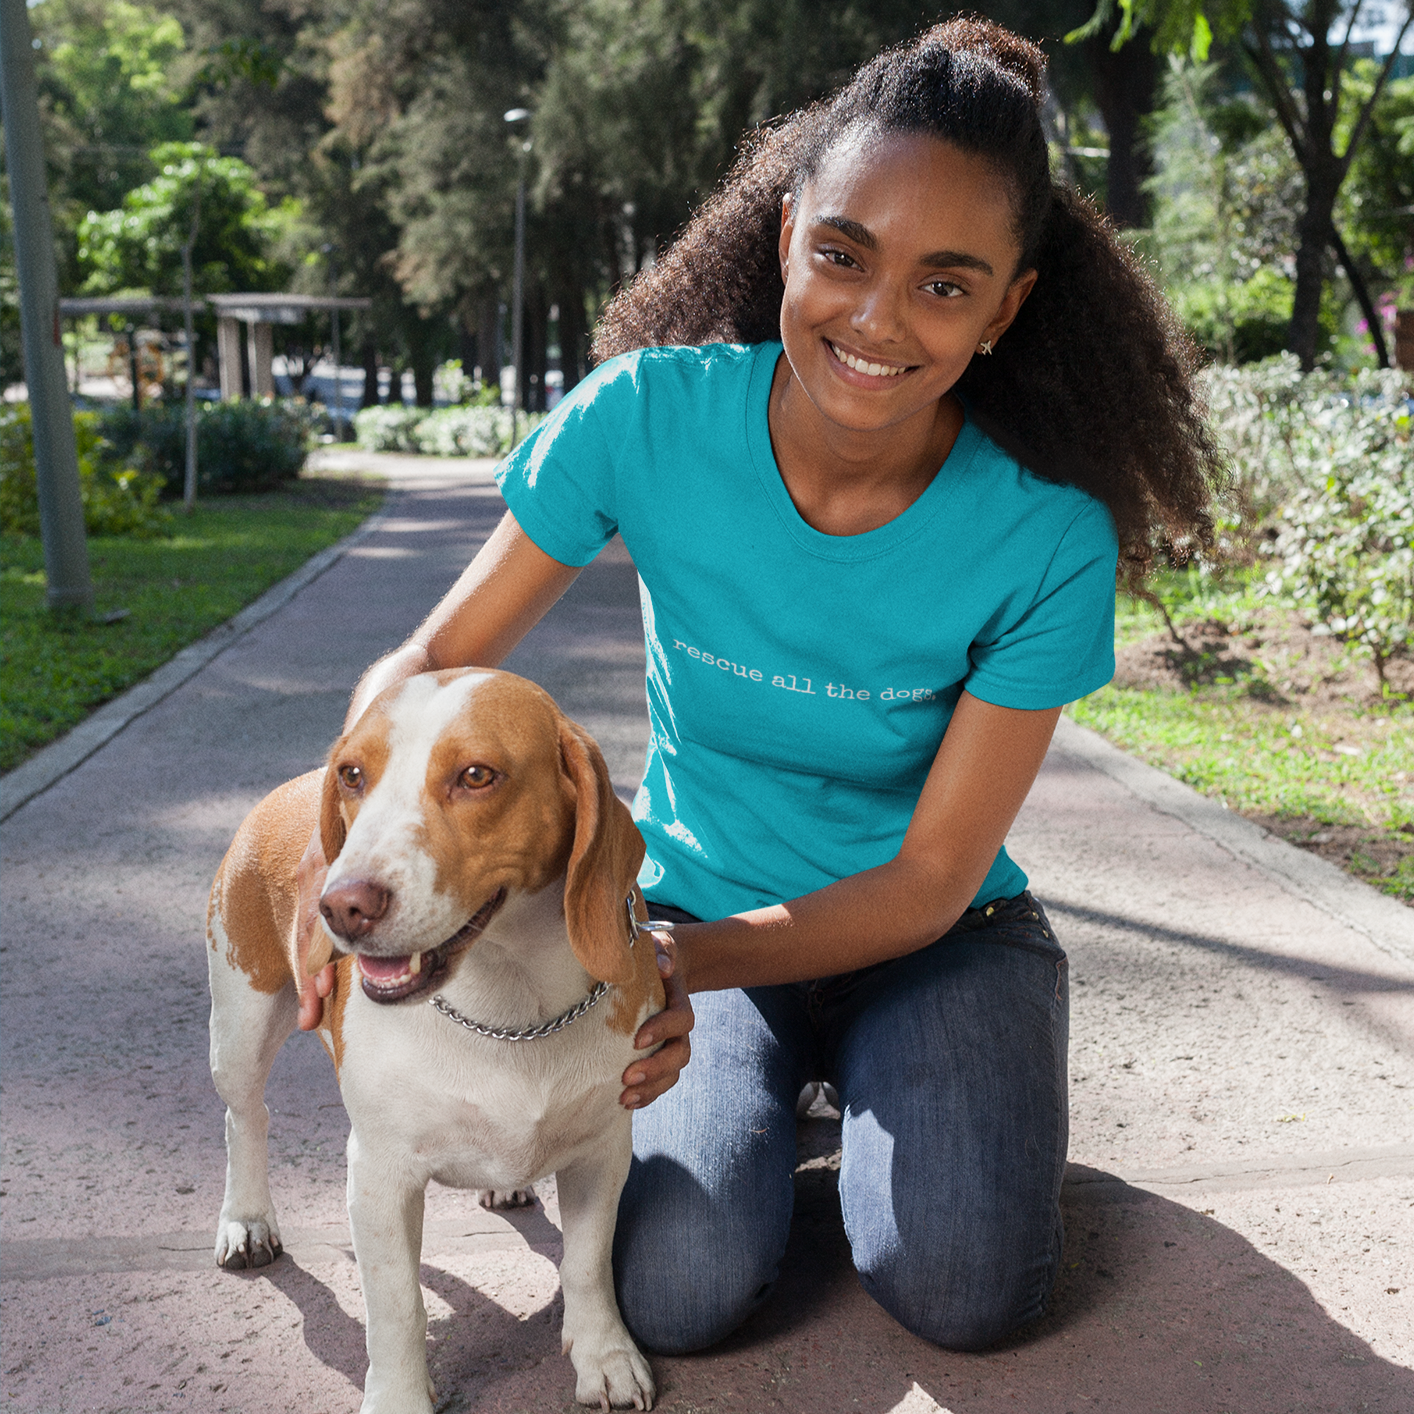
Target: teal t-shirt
{"type": "Point", "coordinates": [799, 684]}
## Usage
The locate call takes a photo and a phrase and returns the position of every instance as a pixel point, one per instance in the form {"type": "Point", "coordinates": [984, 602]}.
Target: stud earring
{"type": "Point", "coordinates": [985, 347]}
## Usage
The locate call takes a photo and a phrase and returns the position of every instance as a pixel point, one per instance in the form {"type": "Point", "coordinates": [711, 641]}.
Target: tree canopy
{"type": "Point", "coordinates": [1300, 52]}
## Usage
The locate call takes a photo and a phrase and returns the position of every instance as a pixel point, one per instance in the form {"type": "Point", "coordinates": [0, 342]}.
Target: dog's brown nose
{"type": "Point", "coordinates": [352, 907]}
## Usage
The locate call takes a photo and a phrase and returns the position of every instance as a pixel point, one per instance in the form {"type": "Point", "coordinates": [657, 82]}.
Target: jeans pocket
{"type": "Point", "coordinates": [1018, 922]}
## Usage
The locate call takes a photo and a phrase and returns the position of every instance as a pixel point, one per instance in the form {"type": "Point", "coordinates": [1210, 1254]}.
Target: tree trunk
{"type": "Point", "coordinates": [574, 335]}
{"type": "Point", "coordinates": [1362, 297]}
{"type": "Point", "coordinates": [369, 359]}
{"type": "Point", "coordinates": [537, 330]}
{"type": "Point", "coordinates": [488, 346]}
{"type": "Point", "coordinates": [1313, 241]}
{"type": "Point", "coordinates": [1124, 90]}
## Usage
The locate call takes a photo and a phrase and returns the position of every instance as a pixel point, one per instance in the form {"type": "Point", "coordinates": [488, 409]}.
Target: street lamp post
{"type": "Point", "coordinates": [519, 115]}
{"type": "Point", "coordinates": [329, 251]}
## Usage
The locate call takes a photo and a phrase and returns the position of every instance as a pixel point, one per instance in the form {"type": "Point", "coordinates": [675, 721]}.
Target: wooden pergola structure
{"type": "Point", "coordinates": [259, 313]}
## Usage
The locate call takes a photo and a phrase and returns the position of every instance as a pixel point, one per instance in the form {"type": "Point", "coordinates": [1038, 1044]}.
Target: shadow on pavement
{"type": "Point", "coordinates": [1342, 979]}
{"type": "Point", "coordinates": [1158, 1308]}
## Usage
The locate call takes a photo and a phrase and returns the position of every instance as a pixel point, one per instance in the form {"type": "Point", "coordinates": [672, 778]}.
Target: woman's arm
{"type": "Point", "coordinates": [980, 777]}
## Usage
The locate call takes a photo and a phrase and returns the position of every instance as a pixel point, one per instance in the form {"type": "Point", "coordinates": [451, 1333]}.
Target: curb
{"type": "Point", "coordinates": [1389, 925]}
{"type": "Point", "coordinates": [55, 762]}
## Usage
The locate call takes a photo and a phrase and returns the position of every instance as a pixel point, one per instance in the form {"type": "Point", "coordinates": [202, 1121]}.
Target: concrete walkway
{"type": "Point", "coordinates": [1240, 1206]}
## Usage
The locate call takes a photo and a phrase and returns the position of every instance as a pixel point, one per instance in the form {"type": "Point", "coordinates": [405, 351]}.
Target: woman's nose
{"type": "Point", "coordinates": [879, 315]}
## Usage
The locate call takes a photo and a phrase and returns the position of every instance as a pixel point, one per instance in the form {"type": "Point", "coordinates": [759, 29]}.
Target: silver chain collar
{"type": "Point", "coordinates": [565, 1018]}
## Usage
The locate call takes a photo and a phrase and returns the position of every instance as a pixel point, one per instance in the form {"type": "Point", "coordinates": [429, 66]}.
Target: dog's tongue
{"type": "Point", "coordinates": [386, 969]}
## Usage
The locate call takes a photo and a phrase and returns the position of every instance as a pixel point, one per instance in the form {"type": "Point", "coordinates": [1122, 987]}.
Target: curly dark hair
{"type": "Point", "coordinates": [1092, 385]}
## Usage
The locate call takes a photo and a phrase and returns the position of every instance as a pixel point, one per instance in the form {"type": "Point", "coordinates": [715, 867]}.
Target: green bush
{"type": "Point", "coordinates": [1344, 549]}
{"type": "Point", "coordinates": [387, 427]}
{"type": "Point", "coordinates": [117, 499]}
{"type": "Point", "coordinates": [1246, 318]}
{"type": "Point", "coordinates": [240, 446]}
{"type": "Point", "coordinates": [1322, 495]}
{"type": "Point", "coordinates": [467, 430]}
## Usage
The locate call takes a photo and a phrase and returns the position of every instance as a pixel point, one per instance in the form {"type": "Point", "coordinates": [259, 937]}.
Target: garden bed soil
{"type": "Point", "coordinates": [1285, 668]}
{"type": "Point", "coordinates": [1277, 658]}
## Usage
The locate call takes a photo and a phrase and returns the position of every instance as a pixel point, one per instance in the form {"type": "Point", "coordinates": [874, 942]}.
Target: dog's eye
{"type": "Point", "coordinates": [476, 778]}
{"type": "Point", "coordinates": [351, 776]}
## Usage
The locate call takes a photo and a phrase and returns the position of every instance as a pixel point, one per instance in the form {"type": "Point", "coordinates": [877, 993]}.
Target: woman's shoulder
{"type": "Point", "coordinates": [686, 366]}
{"type": "Point", "coordinates": [1007, 470]}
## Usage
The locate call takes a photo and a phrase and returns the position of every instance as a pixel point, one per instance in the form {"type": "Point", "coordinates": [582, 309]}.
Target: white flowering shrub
{"type": "Point", "coordinates": [465, 432]}
{"type": "Point", "coordinates": [1323, 494]}
{"type": "Point", "coordinates": [474, 430]}
{"type": "Point", "coordinates": [387, 427]}
{"type": "Point", "coordinates": [1344, 549]}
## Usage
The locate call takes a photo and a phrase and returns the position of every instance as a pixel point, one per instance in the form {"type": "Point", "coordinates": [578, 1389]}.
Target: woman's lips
{"type": "Point", "coordinates": [870, 368]}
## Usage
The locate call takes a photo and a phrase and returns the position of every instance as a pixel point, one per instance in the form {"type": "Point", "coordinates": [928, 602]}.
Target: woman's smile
{"type": "Point", "coordinates": [864, 365]}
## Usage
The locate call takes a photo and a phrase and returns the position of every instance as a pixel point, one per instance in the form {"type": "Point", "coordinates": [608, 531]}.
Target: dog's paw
{"type": "Point", "coordinates": [506, 1197]}
{"type": "Point", "coordinates": [617, 1379]}
{"type": "Point", "coordinates": [246, 1243]}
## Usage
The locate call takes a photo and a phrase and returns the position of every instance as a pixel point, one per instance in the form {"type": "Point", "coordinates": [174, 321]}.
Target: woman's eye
{"type": "Point", "coordinates": [839, 257]}
{"type": "Point", "coordinates": [944, 288]}
{"type": "Point", "coordinates": [476, 777]}
{"type": "Point", "coordinates": [351, 776]}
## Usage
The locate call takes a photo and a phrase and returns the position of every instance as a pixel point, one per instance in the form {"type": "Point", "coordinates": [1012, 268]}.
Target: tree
{"type": "Point", "coordinates": [108, 95]}
{"type": "Point", "coordinates": [139, 246]}
{"type": "Point", "coordinates": [1376, 207]}
{"type": "Point", "coordinates": [1303, 73]}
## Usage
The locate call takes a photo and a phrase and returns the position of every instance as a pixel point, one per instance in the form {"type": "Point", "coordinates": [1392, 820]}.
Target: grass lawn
{"type": "Point", "coordinates": [56, 668]}
{"type": "Point", "coordinates": [1285, 726]}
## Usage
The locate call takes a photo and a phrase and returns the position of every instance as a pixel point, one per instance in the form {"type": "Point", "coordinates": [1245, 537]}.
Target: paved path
{"type": "Point", "coordinates": [1240, 1207]}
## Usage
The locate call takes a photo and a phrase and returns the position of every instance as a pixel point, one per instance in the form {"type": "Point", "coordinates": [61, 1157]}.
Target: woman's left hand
{"type": "Point", "coordinates": [652, 1076]}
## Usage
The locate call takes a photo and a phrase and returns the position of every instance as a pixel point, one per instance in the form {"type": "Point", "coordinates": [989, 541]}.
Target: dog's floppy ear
{"type": "Point", "coordinates": [332, 830]}
{"type": "Point", "coordinates": [603, 863]}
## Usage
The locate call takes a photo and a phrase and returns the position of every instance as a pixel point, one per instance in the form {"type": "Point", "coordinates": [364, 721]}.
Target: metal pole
{"type": "Point", "coordinates": [338, 382]}
{"type": "Point", "coordinates": [518, 310]}
{"type": "Point", "coordinates": [515, 116]}
{"type": "Point", "coordinates": [189, 484]}
{"type": "Point", "coordinates": [51, 413]}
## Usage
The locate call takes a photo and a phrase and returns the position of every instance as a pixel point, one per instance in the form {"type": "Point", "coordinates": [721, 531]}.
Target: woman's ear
{"type": "Point", "coordinates": [787, 230]}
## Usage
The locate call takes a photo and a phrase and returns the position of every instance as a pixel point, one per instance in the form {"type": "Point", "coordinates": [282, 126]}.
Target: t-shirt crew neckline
{"type": "Point", "coordinates": [882, 539]}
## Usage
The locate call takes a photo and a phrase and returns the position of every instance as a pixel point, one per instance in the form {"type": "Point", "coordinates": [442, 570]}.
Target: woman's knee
{"type": "Point", "coordinates": [689, 1267]}
{"type": "Point", "coordinates": [964, 1297]}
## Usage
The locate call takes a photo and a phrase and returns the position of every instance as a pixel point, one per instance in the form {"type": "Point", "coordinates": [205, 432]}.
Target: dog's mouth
{"type": "Point", "coordinates": [394, 979]}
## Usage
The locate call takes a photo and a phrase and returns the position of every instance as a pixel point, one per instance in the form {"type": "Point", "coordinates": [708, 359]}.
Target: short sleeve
{"type": "Point", "coordinates": [560, 482]}
{"type": "Point", "coordinates": [1060, 645]}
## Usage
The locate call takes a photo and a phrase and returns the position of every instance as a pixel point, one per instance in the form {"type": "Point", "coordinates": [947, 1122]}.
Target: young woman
{"type": "Point", "coordinates": [875, 431]}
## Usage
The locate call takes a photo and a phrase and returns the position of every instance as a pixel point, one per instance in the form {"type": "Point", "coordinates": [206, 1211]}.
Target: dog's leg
{"type": "Point", "coordinates": [609, 1369]}
{"type": "Point", "coordinates": [385, 1214]}
{"type": "Point", "coordinates": [494, 1198]}
{"type": "Point", "coordinates": [247, 1030]}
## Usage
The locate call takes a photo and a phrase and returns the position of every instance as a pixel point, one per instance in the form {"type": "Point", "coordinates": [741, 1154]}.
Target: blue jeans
{"type": "Point", "coordinates": [951, 1069]}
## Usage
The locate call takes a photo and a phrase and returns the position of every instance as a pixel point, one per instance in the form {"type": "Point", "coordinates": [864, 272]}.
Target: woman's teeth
{"type": "Point", "coordinates": [874, 370]}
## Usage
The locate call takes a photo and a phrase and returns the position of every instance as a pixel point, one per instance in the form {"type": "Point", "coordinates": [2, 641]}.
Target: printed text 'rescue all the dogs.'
{"type": "Point", "coordinates": [790, 682]}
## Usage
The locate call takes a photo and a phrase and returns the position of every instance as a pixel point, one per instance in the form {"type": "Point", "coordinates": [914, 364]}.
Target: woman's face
{"type": "Point", "coordinates": [898, 260]}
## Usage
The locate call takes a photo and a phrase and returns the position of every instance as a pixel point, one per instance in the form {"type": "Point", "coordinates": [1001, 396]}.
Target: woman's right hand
{"type": "Point", "coordinates": [310, 874]}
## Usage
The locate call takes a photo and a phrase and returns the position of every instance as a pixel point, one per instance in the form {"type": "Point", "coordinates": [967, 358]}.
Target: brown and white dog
{"type": "Point", "coordinates": [477, 853]}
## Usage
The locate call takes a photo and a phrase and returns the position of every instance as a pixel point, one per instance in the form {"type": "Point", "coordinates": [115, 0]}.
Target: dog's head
{"type": "Point", "coordinates": [452, 793]}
